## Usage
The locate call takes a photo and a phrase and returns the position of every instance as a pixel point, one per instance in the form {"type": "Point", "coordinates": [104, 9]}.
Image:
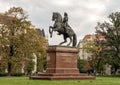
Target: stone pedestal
{"type": "Point", "coordinates": [62, 65]}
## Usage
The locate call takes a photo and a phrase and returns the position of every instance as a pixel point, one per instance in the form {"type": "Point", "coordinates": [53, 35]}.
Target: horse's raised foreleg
{"type": "Point", "coordinates": [50, 30]}
{"type": "Point", "coordinates": [70, 41]}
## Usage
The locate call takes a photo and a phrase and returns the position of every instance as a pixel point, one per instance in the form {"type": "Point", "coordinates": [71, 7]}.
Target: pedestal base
{"type": "Point", "coordinates": [47, 76]}
{"type": "Point", "coordinates": [62, 65]}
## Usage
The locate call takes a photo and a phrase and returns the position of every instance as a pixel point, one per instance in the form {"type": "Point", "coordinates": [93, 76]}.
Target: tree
{"type": "Point", "coordinates": [111, 31]}
{"type": "Point", "coordinates": [92, 49]}
{"type": "Point", "coordinates": [19, 41]}
{"type": "Point", "coordinates": [95, 50]}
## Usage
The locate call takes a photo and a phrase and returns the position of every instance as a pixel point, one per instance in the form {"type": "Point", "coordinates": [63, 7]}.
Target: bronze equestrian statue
{"type": "Point", "coordinates": [62, 27]}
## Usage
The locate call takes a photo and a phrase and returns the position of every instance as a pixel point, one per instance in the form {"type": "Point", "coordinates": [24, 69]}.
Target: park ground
{"type": "Point", "coordinates": [26, 81]}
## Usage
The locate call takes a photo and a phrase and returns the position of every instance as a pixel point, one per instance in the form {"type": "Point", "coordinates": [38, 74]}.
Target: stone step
{"type": "Point", "coordinates": [62, 77]}
{"type": "Point", "coordinates": [59, 74]}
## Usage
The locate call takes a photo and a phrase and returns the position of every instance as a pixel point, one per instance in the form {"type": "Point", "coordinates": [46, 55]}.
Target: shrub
{"type": "Point", "coordinates": [30, 67]}
{"type": "Point", "coordinates": [17, 74]}
{"type": "Point", "coordinates": [3, 74]}
{"type": "Point", "coordinates": [81, 65]}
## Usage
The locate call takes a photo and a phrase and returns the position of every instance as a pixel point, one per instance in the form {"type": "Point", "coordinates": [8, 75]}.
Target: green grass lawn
{"type": "Point", "coordinates": [26, 81]}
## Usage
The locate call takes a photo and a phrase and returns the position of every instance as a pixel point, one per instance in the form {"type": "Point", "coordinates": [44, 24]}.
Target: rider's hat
{"type": "Point", "coordinates": [65, 14]}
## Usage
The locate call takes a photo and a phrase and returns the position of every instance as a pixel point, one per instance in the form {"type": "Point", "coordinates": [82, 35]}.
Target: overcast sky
{"type": "Point", "coordinates": [83, 14]}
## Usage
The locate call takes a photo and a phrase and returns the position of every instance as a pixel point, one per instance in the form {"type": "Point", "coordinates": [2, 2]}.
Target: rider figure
{"type": "Point", "coordinates": [65, 21]}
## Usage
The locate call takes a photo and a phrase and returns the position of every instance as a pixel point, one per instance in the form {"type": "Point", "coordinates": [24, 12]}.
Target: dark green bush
{"type": "Point", "coordinates": [17, 74]}
{"type": "Point", "coordinates": [83, 71]}
{"type": "Point", "coordinates": [3, 74]}
{"type": "Point", "coordinates": [109, 75]}
{"type": "Point", "coordinates": [81, 65]}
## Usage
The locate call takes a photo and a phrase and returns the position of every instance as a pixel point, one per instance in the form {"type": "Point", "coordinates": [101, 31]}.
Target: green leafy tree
{"type": "Point", "coordinates": [111, 31]}
{"type": "Point", "coordinates": [96, 60]}
{"type": "Point", "coordinates": [19, 41]}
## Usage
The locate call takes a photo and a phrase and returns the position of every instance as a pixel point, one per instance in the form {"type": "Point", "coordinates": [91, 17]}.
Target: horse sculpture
{"type": "Point", "coordinates": [66, 31]}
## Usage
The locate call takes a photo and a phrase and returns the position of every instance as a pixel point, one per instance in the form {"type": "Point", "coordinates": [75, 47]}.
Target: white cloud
{"type": "Point", "coordinates": [83, 14]}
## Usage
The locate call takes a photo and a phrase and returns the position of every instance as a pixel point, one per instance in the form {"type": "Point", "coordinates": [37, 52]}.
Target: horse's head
{"type": "Point", "coordinates": [57, 16]}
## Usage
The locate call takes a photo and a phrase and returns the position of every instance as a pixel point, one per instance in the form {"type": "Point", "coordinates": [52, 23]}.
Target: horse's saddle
{"type": "Point", "coordinates": [68, 30]}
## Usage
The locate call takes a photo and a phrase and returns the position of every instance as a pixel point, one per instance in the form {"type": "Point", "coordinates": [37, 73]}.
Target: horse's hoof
{"type": "Point", "coordinates": [50, 36]}
{"type": "Point", "coordinates": [68, 44]}
{"type": "Point", "coordinates": [60, 44]}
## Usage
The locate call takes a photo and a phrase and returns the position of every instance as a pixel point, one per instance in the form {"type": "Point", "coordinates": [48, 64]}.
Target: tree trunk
{"type": "Point", "coordinates": [11, 53]}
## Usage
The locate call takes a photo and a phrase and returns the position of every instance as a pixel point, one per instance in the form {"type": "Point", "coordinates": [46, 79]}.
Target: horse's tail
{"type": "Point", "coordinates": [74, 40]}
